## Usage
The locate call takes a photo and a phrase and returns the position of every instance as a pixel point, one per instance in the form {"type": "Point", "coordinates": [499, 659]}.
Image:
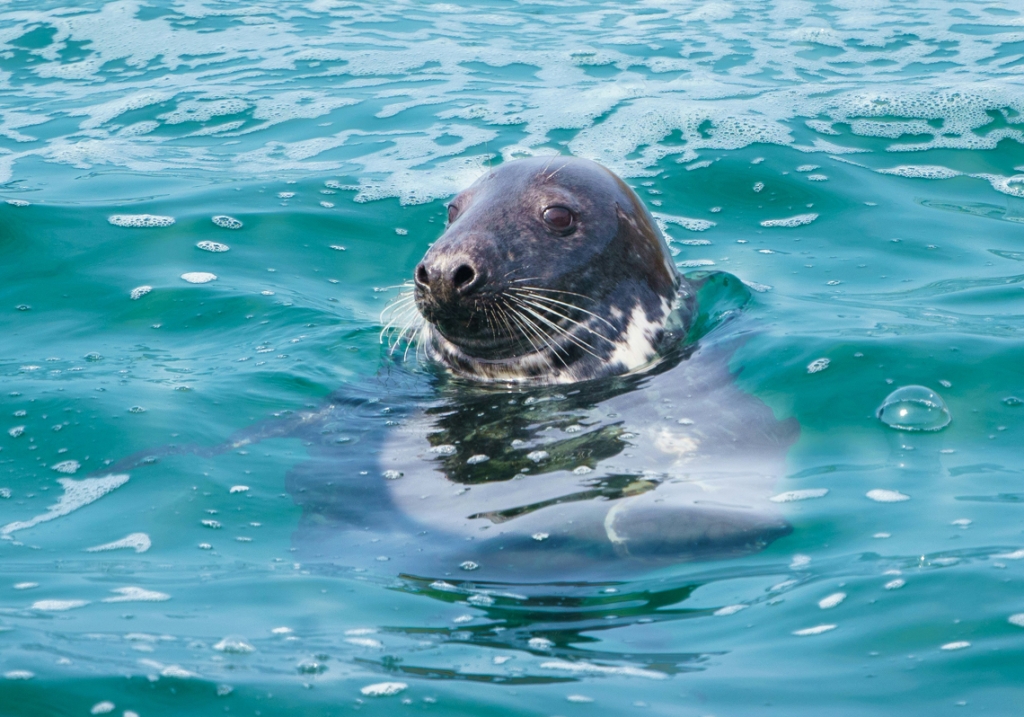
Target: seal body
{"type": "Point", "coordinates": [551, 270]}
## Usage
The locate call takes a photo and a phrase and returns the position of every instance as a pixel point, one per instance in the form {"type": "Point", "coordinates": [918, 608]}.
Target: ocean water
{"type": "Point", "coordinates": [858, 164]}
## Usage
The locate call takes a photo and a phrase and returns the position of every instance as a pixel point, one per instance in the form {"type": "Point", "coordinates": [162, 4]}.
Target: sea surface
{"type": "Point", "coordinates": [858, 164]}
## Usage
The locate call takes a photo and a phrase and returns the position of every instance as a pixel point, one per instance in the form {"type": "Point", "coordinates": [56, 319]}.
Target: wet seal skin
{"type": "Point", "coordinates": [551, 270]}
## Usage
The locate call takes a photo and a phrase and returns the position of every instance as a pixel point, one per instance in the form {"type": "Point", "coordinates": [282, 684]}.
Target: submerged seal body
{"type": "Point", "coordinates": [552, 271]}
{"type": "Point", "coordinates": [580, 426]}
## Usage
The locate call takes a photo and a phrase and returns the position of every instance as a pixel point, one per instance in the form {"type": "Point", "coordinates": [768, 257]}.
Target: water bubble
{"type": "Point", "coordinates": [816, 630]}
{"type": "Point", "coordinates": [226, 222]}
{"type": "Point", "coordinates": [831, 601]}
{"type": "Point", "coordinates": [198, 277]}
{"type": "Point", "coordinates": [102, 708]}
{"type": "Point", "coordinates": [818, 365]}
{"type": "Point", "coordinates": [582, 470]}
{"type": "Point", "coordinates": [537, 456]}
{"type": "Point", "coordinates": [140, 220]}
{"type": "Point", "coordinates": [213, 246]}
{"type": "Point", "coordinates": [1013, 402]}
{"type": "Point", "coordinates": [960, 645]}
{"type": "Point", "coordinates": [17, 202]}
{"type": "Point", "coordinates": [68, 467]}
{"type": "Point", "coordinates": [880, 495]}
{"type": "Point", "coordinates": [479, 458]}
{"type": "Point", "coordinates": [234, 646]}
{"type": "Point", "coordinates": [914, 408]}
{"type": "Point", "coordinates": [16, 432]}
{"type": "Point", "coordinates": [895, 584]}
{"type": "Point", "coordinates": [540, 536]}
{"type": "Point", "coordinates": [444, 450]}
{"type": "Point", "coordinates": [468, 565]}
{"type": "Point", "coordinates": [93, 356]}
{"type": "Point", "coordinates": [136, 409]}
{"type": "Point", "coordinates": [384, 689]}
{"type": "Point", "coordinates": [140, 291]}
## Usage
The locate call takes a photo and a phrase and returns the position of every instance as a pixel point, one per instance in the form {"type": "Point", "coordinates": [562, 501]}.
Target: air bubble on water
{"type": "Point", "coordinates": [238, 489]}
{"type": "Point", "coordinates": [795, 495]}
{"type": "Point", "coordinates": [895, 584]}
{"type": "Point", "coordinates": [102, 708]}
{"type": "Point", "coordinates": [327, 205]}
{"type": "Point", "coordinates": [199, 277]}
{"type": "Point", "coordinates": [205, 546]}
{"type": "Point", "coordinates": [914, 408]}
{"type": "Point", "coordinates": [959, 645]}
{"type": "Point", "coordinates": [140, 220]}
{"type": "Point", "coordinates": [758, 186]}
{"type": "Point", "coordinates": [68, 467]}
{"type": "Point", "coordinates": [478, 458]}
{"type": "Point", "coordinates": [831, 601]}
{"type": "Point", "coordinates": [880, 495]}
{"type": "Point", "coordinates": [468, 565]}
{"type": "Point", "coordinates": [574, 428]}
{"type": "Point", "coordinates": [729, 610]}
{"type": "Point", "coordinates": [818, 365]}
{"type": "Point", "coordinates": [1013, 402]}
{"type": "Point", "coordinates": [226, 222]}
{"type": "Point", "coordinates": [480, 600]}
{"type": "Point", "coordinates": [5, 493]}
{"type": "Point", "coordinates": [537, 456]}
{"type": "Point", "coordinates": [446, 449]}
{"type": "Point", "coordinates": [799, 561]}
{"type": "Point", "coordinates": [139, 291]}
{"type": "Point", "coordinates": [338, 247]}
{"type": "Point", "coordinates": [383, 558]}
{"type": "Point", "coordinates": [136, 409]}
{"type": "Point", "coordinates": [401, 232]}
{"type": "Point", "coordinates": [807, 167]}
{"type": "Point", "coordinates": [798, 221]}
{"type": "Point", "coordinates": [92, 356]}
{"type": "Point", "coordinates": [16, 432]}
{"type": "Point", "coordinates": [582, 470]}
{"type": "Point", "coordinates": [285, 195]}
{"type": "Point", "coordinates": [139, 542]}
{"type": "Point", "coordinates": [213, 246]}
{"type": "Point", "coordinates": [759, 288]}
{"type": "Point", "coordinates": [816, 630]}
{"type": "Point", "coordinates": [234, 646]}
{"type": "Point", "coordinates": [215, 524]}
{"type": "Point", "coordinates": [462, 619]}
{"type": "Point", "coordinates": [696, 263]}
{"type": "Point", "coordinates": [384, 689]}
{"type": "Point", "coordinates": [817, 177]}
{"type": "Point", "coordinates": [540, 536]}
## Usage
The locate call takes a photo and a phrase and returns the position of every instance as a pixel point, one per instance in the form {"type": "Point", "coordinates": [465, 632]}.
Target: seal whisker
{"type": "Point", "coordinates": [397, 315]}
{"type": "Point", "coordinates": [538, 297]}
{"type": "Point", "coordinates": [574, 339]}
{"type": "Point", "coordinates": [550, 291]}
{"type": "Point", "coordinates": [528, 327]}
{"type": "Point", "coordinates": [554, 312]}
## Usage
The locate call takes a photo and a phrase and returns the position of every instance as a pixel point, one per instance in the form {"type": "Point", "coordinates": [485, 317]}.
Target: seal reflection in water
{"type": "Point", "coordinates": [574, 421]}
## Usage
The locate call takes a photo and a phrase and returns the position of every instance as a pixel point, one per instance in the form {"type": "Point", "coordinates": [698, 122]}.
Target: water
{"type": "Point", "coordinates": [856, 163]}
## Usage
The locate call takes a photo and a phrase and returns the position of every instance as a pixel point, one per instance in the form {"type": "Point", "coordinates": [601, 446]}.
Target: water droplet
{"type": "Point", "coordinates": [1013, 402]}
{"type": "Point", "coordinates": [468, 565]}
{"type": "Point", "coordinates": [914, 408]}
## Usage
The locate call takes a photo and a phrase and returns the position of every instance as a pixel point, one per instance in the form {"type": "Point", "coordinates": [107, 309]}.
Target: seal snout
{"type": "Point", "coordinates": [448, 278]}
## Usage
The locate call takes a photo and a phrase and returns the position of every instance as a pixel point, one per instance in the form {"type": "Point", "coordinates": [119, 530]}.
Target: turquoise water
{"type": "Point", "coordinates": [890, 134]}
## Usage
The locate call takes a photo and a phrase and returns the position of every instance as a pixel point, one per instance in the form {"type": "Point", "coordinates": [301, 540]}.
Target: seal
{"type": "Point", "coordinates": [551, 270]}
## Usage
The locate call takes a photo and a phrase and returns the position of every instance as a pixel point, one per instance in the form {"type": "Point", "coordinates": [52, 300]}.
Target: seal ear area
{"type": "Point", "coordinates": [644, 251]}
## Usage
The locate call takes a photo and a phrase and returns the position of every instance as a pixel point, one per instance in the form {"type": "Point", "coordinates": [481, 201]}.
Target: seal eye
{"type": "Point", "coordinates": [453, 212]}
{"type": "Point", "coordinates": [559, 218]}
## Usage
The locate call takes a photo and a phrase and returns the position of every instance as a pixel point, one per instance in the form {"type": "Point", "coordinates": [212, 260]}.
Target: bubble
{"type": "Point", "coordinates": [139, 542]}
{"type": "Point", "coordinates": [140, 220]}
{"type": "Point", "coordinates": [16, 432]}
{"type": "Point", "coordinates": [25, 586]}
{"type": "Point", "coordinates": [1013, 402]}
{"type": "Point", "coordinates": [199, 277]}
{"type": "Point", "coordinates": [212, 246]}
{"type": "Point", "coordinates": [807, 167]}
{"type": "Point", "coordinates": [327, 205]}
{"type": "Point", "coordinates": [19, 675]}
{"type": "Point", "coordinates": [818, 365]}
{"type": "Point", "coordinates": [17, 202]}
{"type": "Point", "coordinates": [582, 470]}
{"type": "Point", "coordinates": [540, 536]}
{"type": "Point", "coordinates": [728, 610]}
{"type": "Point", "coordinates": [468, 565]}
{"type": "Point", "coordinates": [895, 584]}
{"type": "Point", "coordinates": [880, 495]}
{"type": "Point", "coordinates": [695, 263]}
{"type": "Point", "coordinates": [215, 524]}
{"type": "Point", "coordinates": [758, 186]}
{"type": "Point", "coordinates": [92, 357]}
{"type": "Point", "coordinates": [384, 689]}
{"type": "Point", "coordinates": [134, 594]}
{"type": "Point", "coordinates": [140, 291]}
{"type": "Point", "coordinates": [537, 456]}
{"type": "Point", "coordinates": [797, 221]}
{"type": "Point", "coordinates": [540, 643]}
{"type": "Point", "coordinates": [136, 409]}
{"type": "Point", "coordinates": [959, 645]}
{"type": "Point", "coordinates": [478, 458]}
{"type": "Point", "coordinates": [579, 698]}
{"type": "Point", "coordinates": [226, 222]}
{"type": "Point", "coordinates": [102, 708]}
{"type": "Point", "coordinates": [238, 489]}
{"type": "Point", "coordinates": [281, 631]}
{"type": "Point", "coordinates": [365, 642]}
{"type": "Point", "coordinates": [337, 247]}
{"type": "Point", "coordinates": [444, 450]}
{"type": "Point", "coordinates": [914, 408]}
{"type": "Point", "coordinates": [68, 467]}
{"type": "Point", "coordinates": [921, 172]}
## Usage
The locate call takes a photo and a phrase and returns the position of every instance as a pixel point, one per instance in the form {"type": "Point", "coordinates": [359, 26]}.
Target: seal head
{"type": "Point", "coordinates": [550, 270]}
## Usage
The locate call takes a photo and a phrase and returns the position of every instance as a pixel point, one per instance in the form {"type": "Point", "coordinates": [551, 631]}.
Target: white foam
{"type": "Point", "coordinates": [1016, 619]}
{"type": "Point", "coordinates": [58, 605]}
{"type": "Point", "coordinates": [880, 495]}
{"type": "Point", "coordinates": [895, 584]}
{"type": "Point", "coordinates": [102, 708]}
{"type": "Point", "coordinates": [226, 222]}
{"type": "Point", "coordinates": [77, 494]}
{"type": "Point", "coordinates": [139, 542]}
{"type": "Point", "coordinates": [19, 675]}
{"type": "Point", "coordinates": [921, 171]}
{"type": "Point", "coordinates": [827, 603]}
{"type": "Point", "coordinates": [238, 489]}
{"type": "Point", "coordinates": [17, 202]}
{"type": "Point", "coordinates": [584, 668]}
{"type": "Point", "coordinates": [136, 594]}
{"type": "Point", "coordinates": [140, 291]}
{"type": "Point", "coordinates": [365, 642]}
{"type": "Point", "coordinates": [234, 645]}
{"type": "Point", "coordinates": [793, 495]}
{"type": "Point", "coordinates": [798, 221]}
{"type": "Point", "coordinates": [384, 689]}
{"type": "Point", "coordinates": [140, 220]}
{"type": "Point", "coordinates": [695, 263]}
{"type": "Point", "coordinates": [959, 645]}
{"type": "Point", "coordinates": [818, 365]}
{"type": "Point", "coordinates": [693, 225]}
{"type": "Point", "coordinates": [1014, 555]}
{"type": "Point", "coordinates": [199, 277]}
{"type": "Point", "coordinates": [728, 610]}
{"type": "Point", "coordinates": [25, 586]}
{"type": "Point", "coordinates": [816, 630]}
{"type": "Point", "coordinates": [67, 467]}
{"type": "Point", "coordinates": [212, 246]}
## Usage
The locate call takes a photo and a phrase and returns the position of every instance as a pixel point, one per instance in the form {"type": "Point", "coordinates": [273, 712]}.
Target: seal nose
{"type": "Point", "coordinates": [439, 277]}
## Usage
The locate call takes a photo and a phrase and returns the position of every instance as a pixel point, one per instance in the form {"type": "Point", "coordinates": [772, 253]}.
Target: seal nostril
{"type": "Point", "coordinates": [421, 275]}
{"type": "Point", "coordinates": [463, 276]}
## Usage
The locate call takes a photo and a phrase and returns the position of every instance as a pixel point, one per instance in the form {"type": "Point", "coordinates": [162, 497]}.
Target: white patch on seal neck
{"type": "Point", "coordinates": [636, 345]}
